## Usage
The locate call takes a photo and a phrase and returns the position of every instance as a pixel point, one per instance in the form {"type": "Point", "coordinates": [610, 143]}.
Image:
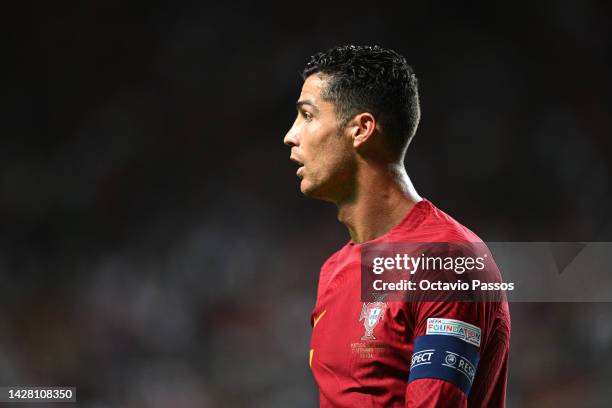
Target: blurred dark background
{"type": "Point", "coordinates": [155, 249]}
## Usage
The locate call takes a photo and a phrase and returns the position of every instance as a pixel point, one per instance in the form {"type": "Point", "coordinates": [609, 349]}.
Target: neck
{"type": "Point", "coordinates": [384, 195]}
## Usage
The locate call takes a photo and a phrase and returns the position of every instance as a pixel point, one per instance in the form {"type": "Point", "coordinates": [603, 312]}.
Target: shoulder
{"type": "Point", "coordinates": [331, 260]}
{"type": "Point", "coordinates": [438, 226]}
{"type": "Point", "coordinates": [339, 256]}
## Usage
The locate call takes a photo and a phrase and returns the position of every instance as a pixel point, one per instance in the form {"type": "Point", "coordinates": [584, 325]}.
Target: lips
{"type": "Point", "coordinates": [300, 170]}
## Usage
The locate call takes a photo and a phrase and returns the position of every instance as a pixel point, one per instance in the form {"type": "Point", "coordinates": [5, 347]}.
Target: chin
{"type": "Point", "coordinates": [311, 190]}
{"type": "Point", "coordinates": [306, 188]}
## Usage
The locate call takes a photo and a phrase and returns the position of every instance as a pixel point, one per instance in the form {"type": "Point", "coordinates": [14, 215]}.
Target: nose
{"type": "Point", "coordinates": [291, 138]}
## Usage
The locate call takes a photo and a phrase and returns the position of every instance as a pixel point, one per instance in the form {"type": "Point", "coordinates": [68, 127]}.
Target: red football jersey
{"type": "Point", "coordinates": [394, 364]}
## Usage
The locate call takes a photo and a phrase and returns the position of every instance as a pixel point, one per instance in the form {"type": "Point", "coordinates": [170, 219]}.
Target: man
{"type": "Point", "coordinates": [357, 112]}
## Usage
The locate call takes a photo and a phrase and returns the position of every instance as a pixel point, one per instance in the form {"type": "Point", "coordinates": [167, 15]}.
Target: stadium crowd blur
{"type": "Point", "coordinates": [155, 249]}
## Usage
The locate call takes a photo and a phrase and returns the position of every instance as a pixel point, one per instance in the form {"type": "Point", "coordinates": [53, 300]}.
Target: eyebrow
{"type": "Point", "coordinates": [308, 102]}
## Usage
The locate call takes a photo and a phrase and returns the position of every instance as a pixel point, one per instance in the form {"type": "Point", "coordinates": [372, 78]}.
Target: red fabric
{"type": "Point", "coordinates": [352, 372]}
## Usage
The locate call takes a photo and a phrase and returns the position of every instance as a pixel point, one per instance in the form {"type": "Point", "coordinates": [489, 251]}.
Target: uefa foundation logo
{"type": "Point", "coordinates": [456, 328]}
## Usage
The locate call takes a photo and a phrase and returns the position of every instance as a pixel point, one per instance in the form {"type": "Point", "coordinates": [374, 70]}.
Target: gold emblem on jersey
{"type": "Point", "coordinates": [371, 314]}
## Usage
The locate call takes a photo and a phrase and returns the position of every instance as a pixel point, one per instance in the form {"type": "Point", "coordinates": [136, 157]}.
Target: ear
{"type": "Point", "coordinates": [362, 127]}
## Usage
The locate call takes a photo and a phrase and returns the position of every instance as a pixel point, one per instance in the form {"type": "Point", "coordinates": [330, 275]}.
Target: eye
{"type": "Point", "coordinates": [307, 116]}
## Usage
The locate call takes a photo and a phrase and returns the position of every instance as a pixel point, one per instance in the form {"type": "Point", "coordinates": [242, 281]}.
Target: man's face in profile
{"type": "Point", "coordinates": [322, 150]}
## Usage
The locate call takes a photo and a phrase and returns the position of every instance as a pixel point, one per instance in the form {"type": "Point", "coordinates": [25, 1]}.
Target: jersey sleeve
{"type": "Point", "coordinates": [447, 342]}
{"type": "Point", "coordinates": [434, 393]}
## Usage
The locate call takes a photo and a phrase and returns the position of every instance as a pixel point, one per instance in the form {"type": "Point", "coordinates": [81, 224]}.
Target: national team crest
{"type": "Point", "coordinates": [371, 314]}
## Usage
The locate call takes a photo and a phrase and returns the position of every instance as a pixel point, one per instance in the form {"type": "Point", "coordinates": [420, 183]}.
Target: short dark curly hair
{"type": "Point", "coordinates": [371, 79]}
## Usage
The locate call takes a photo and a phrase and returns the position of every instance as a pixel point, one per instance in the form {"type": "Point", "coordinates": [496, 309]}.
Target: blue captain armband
{"type": "Point", "coordinates": [445, 358]}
